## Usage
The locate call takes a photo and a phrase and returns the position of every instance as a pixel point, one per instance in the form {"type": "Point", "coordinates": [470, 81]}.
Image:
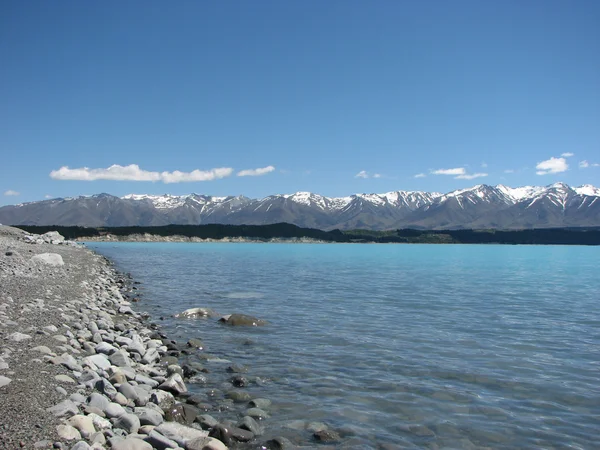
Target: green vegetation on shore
{"type": "Point", "coordinates": [556, 236]}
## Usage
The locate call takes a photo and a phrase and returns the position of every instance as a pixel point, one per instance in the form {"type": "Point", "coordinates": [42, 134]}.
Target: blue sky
{"type": "Point", "coordinates": [263, 97]}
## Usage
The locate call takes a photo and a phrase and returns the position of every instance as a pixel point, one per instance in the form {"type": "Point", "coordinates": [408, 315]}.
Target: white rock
{"type": "Point", "coordinates": [84, 424]}
{"type": "Point", "coordinates": [50, 259]}
{"type": "Point", "coordinates": [174, 384]}
{"type": "Point", "coordinates": [68, 433]}
{"type": "Point", "coordinates": [4, 381]}
{"type": "Point", "coordinates": [131, 444]}
{"type": "Point", "coordinates": [100, 422]}
{"type": "Point", "coordinates": [97, 361]}
{"type": "Point", "coordinates": [18, 337]}
{"type": "Point", "coordinates": [180, 433]}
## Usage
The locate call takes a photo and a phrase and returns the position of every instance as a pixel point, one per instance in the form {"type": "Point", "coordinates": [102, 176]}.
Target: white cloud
{"type": "Point", "coordinates": [420, 175]}
{"type": "Point", "coordinates": [584, 164]}
{"type": "Point", "coordinates": [509, 171]}
{"type": "Point", "coordinates": [364, 174]}
{"type": "Point", "coordinates": [255, 172]}
{"type": "Point", "coordinates": [133, 172]}
{"type": "Point", "coordinates": [567, 154]}
{"type": "Point", "coordinates": [552, 165]}
{"type": "Point", "coordinates": [455, 171]}
{"type": "Point", "coordinates": [11, 193]}
{"type": "Point", "coordinates": [471, 176]}
{"type": "Point", "coordinates": [47, 196]}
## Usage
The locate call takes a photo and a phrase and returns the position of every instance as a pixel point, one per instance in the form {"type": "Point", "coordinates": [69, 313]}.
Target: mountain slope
{"type": "Point", "coordinates": [481, 206]}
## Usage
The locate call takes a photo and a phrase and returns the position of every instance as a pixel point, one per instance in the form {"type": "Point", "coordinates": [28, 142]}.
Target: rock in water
{"type": "Point", "coordinates": [242, 320]}
{"type": "Point", "coordinates": [193, 313]}
{"type": "Point", "coordinates": [50, 259]}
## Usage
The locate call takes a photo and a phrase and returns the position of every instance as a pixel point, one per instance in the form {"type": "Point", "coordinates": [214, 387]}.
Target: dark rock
{"type": "Point", "coordinates": [182, 413]}
{"type": "Point", "coordinates": [221, 433]}
{"type": "Point", "coordinates": [241, 435]}
{"type": "Point", "coordinates": [195, 343]}
{"type": "Point", "coordinates": [242, 320]}
{"type": "Point", "coordinates": [168, 360]}
{"type": "Point", "coordinates": [206, 421]}
{"type": "Point", "coordinates": [237, 369]}
{"type": "Point", "coordinates": [239, 396]}
{"type": "Point", "coordinates": [278, 443]}
{"type": "Point", "coordinates": [248, 423]}
{"type": "Point", "coordinates": [326, 436]}
{"type": "Point", "coordinates": [257, 413]}
{"type": "Point", "coordinates": [188, 370]}
{"type": "Point", "coordinates": [260, 403]}
{"type": "Point", "coordinates": [239, 381]}
{"type": "Point", "coordinates": [195, 399]}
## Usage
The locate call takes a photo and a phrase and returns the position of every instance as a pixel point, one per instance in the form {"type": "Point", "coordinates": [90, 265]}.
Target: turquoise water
{"type": "Point", "coordinates": [393, 346]}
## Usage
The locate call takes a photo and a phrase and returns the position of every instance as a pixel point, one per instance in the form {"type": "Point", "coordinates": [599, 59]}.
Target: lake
{"type": "Point", "coordinates": [391, 346]}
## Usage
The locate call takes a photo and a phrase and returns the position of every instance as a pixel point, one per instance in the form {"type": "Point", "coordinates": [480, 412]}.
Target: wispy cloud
{"type": "Point", "coordinates": [420, 175]}
{"type": "Point", "coordinates": [459, 173]}
{"type": "Point", "coordinates": [48, 196]}
{"type": "Point", "coordinates": [470, 176]}
{"type": "Point", "coordinates": [509, 171]}
{"type": "Point", "coordinates": [133, 172]}
{"type": "Point", "coordinates": [484, 165]}
{"type": "Point", "coordinates": [552, 165]}
{"type": "Point", "coordinates": [455, 171]}
{"type": "Point", "coordinates": [364, 174]}
{"type": "Point", "coordinates": [567, 154]}
{"type": "Point", "coordinates": [584, 164]}
{"type": "Point", "coordinates": [255, 172]}
{"type": "Point", "coordinates": [11, 193]}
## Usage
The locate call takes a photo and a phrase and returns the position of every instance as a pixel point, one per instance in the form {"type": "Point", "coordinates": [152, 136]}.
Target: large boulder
{"type": "Point", "coordinates": [52, 237]}
{"type": "Point", "coordinates": [242, 320]}
{"type": "Point", "coordinates": [50, 259]}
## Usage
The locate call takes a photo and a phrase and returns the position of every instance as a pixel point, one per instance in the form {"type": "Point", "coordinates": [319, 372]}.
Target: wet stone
{"type": "Point", "coordinates": [326, 436]}
{"type": "Point", "coordinates": [239, 381]}
{"type": "Point", "coordinates": [278, 443]}
{"type": "Point", "coordinates": [239, 396]}
{"type": "Point", "coordinates": [261, 403]}
{"type": "Point", "coordinates": [257, 413]}
{"type": "Point", "coordinates": [206, 421]}
{"type": "Point", "coordinates": [221, 433]}
{"type": "Point", "coordinates": [248, 423]}
{"type": "Point", "coordinates": [182, 413]}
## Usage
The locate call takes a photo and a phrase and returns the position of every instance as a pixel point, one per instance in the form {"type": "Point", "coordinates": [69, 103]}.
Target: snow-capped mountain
{"type": "Point", "coordinates": [481, 206]}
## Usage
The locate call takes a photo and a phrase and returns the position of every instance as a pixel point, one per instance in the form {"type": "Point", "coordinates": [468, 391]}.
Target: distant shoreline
{"type": "Point", "coordinates": [288, 233]}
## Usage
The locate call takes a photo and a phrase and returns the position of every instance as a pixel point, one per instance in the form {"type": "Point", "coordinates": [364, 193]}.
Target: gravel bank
{"type": "Point", "coordinates": [80, 369]}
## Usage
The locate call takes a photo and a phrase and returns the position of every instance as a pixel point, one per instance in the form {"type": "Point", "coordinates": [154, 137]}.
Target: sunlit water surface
{"type": "Point", "coordinates": [394, 346]}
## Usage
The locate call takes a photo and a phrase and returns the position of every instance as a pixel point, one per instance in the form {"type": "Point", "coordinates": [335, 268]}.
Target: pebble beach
{"type": "Point", "coordinates": [80, 368]}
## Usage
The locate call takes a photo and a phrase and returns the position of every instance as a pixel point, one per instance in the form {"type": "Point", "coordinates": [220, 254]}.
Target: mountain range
{"type": "Point", "coordinates": [482, 206]}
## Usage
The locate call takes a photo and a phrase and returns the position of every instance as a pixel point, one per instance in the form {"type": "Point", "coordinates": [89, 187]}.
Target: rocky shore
{"type": "Point", "coordinates": [81, 369]}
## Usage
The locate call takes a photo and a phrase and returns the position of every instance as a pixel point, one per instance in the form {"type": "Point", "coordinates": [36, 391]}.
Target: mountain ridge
{"type": "Point", "coordinates": [481, 206]}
